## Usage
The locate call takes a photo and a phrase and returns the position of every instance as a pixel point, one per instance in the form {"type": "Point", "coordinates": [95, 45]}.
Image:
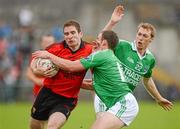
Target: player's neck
{"type": "Point", "coordinates": [141, 52]}
{"type": "Point", "coordinates": [75, 48]}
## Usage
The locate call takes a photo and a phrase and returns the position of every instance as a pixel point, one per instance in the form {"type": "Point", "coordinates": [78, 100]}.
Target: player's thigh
{"type": "Point", "coordinates": [56, 120]}
{"type": "Point", "coordinates": [107, 121]}
{"type": "Point", "coordinates": [126, 109]}
{"type": "Point", "coordinates": [99, 105]}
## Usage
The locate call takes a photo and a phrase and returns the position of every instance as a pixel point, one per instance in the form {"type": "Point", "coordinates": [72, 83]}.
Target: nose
{"type": "Point", "coordinates": [70, 36]}
{"type": "Point", "coordinates": [140, 37]}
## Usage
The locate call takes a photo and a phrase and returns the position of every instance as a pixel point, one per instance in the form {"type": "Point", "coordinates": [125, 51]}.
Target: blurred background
{"type": "Point", "coordinates": [23, 22]}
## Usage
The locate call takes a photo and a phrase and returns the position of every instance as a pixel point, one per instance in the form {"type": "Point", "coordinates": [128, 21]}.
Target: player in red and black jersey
{"type": "Point", "coordinates": [59, 94]}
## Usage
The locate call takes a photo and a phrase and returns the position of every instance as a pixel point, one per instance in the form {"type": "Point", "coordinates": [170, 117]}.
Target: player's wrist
{"type": "Point", "coordinates": [158, 99]}
{"type": "Point", "coordinates": [112, 23]}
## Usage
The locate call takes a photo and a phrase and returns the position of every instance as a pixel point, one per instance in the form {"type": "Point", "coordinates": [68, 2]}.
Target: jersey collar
{"type": "Point", "coordinates": [134, 48]}
{"type": "Point", "coordinates": [66, 46]}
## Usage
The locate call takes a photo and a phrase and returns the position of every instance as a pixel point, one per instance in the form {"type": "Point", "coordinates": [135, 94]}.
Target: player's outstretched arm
{"type": "Point", "coordinates": [152, 90]}
{"type": "Point", "coordinates": [64, 64]}
{"type": "Point", "coordinates": [116, 16]}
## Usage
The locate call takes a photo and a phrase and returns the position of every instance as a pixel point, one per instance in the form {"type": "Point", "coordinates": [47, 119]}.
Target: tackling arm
{"type": "Point", "coordinates": [152, 90]}
{"type": "Point", "coordinates": [64, 64]}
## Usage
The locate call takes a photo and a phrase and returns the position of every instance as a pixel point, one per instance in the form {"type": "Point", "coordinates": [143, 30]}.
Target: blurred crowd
{"type": "Point", "coordinates": [16, 46]}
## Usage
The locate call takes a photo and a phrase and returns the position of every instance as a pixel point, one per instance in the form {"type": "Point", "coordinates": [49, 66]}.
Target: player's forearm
{"type": "Point", "coordinates": [109, 25]}
{"type": "Point", "coordinates": [66, 64]}
{"type": "Point", "coordinates": [151, 88]}
{"type": "Point", "coordinates": [115, 17]}
{"type": "Point", "coordinates": [33, 77]}
{"type": "Point", "coordinates": [38, 81]}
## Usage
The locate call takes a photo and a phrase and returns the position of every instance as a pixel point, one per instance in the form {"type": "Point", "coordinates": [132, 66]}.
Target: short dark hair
{"type": "Point", "coordinates": [111, 38]}
{"type": "Point", "coordinates": [72, 23]}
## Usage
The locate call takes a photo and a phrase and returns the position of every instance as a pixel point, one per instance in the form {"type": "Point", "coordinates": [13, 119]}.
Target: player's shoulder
{"type": "Point", "coordinates": [125, 42]}
{"type": "Point", "coordinates": [56, 45]}
{"type": "Point", "coordinates": [150, 55]}
{"type": "Point", "coordinates": [102, 53]}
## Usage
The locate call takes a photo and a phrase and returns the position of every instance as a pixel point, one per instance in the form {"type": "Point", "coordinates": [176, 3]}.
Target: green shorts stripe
{"type": "Point", "coordinates": [123, 107]}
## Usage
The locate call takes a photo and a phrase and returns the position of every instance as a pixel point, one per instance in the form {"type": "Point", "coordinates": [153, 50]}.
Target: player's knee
{"type": "Point", "coordinates": [34, 124]}
{"type": "Point", "coordinates": [53, 126]}
{"type": "Point", "coordinates": [56, 121]}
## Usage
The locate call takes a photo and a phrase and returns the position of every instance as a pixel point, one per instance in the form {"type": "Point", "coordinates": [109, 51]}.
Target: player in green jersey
{"type": "Point", "coordinates": [135, 58]}
{"type": "Point", "coordinates": [119, 106]}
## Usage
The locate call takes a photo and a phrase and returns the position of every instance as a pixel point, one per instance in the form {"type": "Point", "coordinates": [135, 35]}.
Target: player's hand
{"type": "Point", "coordinates": [42, 54]}
{"type": "Point", "coordinates": [87, 84]}
{"type": "Point", "coordinates": [50, 73]}
{"type": "Point", "coordinates": [96, 46]}
{"type": "Point", "coordinates": [166, 104]}
{"type": "Point", "coordinates": [36, 71]}
{"type": "Point", "coordinates": [117, 14]}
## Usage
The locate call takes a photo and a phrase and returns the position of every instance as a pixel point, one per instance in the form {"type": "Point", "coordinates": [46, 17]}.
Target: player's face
{"type": "Point", "coordinates": [143, 38]}
{"type": "Point", "coordinates": [99, 41]}
{"type": "Point", "coordinates": [72, 37]}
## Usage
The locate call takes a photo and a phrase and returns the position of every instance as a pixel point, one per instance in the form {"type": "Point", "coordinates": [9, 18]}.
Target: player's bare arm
{"type": "Point", "coordinates": [116, 16]}
{"type": "Point", "coordinates": [30, 75]}
{"type": "Point", "coordinates": [64, 64]}
{"type": "Point", "coordinates": [151, 88]}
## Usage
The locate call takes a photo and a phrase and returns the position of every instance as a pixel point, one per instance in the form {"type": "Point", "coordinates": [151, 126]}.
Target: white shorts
{"type": "Point", "coordinates": [125, 109]}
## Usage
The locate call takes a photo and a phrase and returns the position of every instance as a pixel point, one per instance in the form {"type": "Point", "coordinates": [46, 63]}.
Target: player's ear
{"type": "Point", "coordinates": [150, 40]}
{"type": "Point", "coordinates": [81, 34]}
{"type": "Point", "coordinates": [105, 43]}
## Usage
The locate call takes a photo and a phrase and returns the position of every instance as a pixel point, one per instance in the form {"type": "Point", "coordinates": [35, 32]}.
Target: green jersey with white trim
{"type": "Point", "coordinates": [134, 65]}
{"type": "Point", "coordinates": [108, 78]}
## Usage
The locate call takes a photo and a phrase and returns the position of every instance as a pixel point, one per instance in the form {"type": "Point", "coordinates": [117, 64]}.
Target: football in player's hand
{"type": "Point", "coordinates": [41, 66]}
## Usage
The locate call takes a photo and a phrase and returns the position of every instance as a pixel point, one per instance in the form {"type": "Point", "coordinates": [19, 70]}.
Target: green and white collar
{"type": "Point", "coordinates": [134, 48]}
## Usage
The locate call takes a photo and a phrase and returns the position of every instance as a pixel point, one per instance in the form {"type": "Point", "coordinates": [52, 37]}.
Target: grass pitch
{"type": "Point", "coordinates": [151, 116]}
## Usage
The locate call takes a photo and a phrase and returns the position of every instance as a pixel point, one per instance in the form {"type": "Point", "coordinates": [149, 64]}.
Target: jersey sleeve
{"type": "Point", "coordinates": [54, 48]}
{"type": "Point", "coordinates": [92, 60]}
{"type": "Point", "coordinates": [149, 73]}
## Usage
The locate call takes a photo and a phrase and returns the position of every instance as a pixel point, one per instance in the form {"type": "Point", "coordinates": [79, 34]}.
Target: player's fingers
{"type": "Point", "coordinates": [120, 8]}
{"type": "Point", "coordinates": [49, 70]}
{"type": "Point", "coordinates": [50, 73]}
{"type": "Point", "coordinates": [167, 107]}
